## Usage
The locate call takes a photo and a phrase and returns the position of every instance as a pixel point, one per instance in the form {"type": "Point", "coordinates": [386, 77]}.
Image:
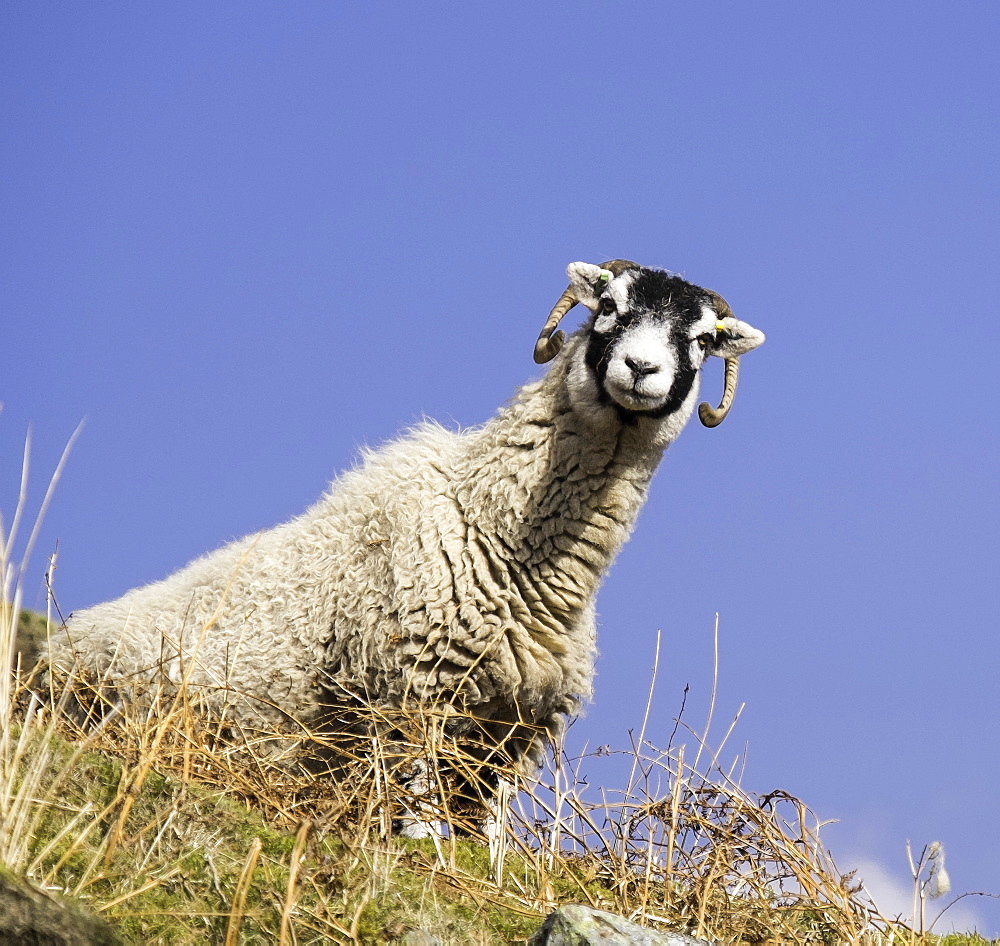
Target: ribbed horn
{"type": "Point", "coordinates": [713, 416]}
{"type": "Point", "coordinates": [548, 345]}
{"type": "Point", "coordinates": [722, 308]}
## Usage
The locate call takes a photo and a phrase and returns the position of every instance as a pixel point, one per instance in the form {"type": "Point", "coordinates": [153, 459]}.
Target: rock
{"type": "Point", "coordinates": [33, 917]}
{"type": "Point", "coordinates": [575, 925]}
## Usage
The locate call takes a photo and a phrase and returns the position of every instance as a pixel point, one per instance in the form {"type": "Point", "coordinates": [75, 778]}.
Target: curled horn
{"type": "Point", "coordinates": [713, 416]}
{"type": "Point", "coordinates": [548, 345]}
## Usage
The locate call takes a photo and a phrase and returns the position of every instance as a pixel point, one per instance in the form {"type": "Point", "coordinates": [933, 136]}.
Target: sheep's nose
{"type": "Point", "coordinates": [640, 368]}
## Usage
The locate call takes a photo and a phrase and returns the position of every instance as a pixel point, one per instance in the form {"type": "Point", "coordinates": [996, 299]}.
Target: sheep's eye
{"type": "Point", "coordinates": [608, 307]}
{"type": "Point", "coordinates": [705, 340]}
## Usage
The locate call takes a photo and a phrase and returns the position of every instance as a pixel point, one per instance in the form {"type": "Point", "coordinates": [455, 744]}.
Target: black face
{"type": "Point", "coordinates": [667, 309]}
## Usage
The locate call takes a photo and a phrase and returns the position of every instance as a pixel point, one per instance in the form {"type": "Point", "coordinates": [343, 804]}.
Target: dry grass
{"type": "Point", "coordinates": [680, 848]}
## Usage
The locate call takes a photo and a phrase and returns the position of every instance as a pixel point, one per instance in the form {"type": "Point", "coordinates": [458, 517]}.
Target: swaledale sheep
{"type": "Point", "coordinates": [449, 568]}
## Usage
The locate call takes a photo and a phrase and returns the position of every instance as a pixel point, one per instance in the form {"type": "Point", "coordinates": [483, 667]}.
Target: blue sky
{"type": "Point", "coordinates": [243, 239]}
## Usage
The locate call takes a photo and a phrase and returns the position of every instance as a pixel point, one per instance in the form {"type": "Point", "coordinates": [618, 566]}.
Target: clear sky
{"type": "Point", "coordinates": [242, 239]}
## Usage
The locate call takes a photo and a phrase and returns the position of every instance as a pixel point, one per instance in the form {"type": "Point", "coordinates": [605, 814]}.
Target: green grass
{"type": "Point", "coordinates": [32, 632]}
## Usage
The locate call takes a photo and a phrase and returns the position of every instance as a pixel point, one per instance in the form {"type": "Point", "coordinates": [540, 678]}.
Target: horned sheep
{"type": "Point", "coordinates": [449, 568]}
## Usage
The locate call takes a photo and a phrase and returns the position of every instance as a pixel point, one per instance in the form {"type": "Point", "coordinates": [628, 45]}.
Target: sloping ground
{"type": "Point", "coordinates": [176, 831]}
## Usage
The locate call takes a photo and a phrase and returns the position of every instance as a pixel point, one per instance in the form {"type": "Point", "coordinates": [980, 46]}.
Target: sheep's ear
{"type": "Point", "coordinates": [734, 338]}
{"type": "Point", "coordinates": [587, 282]}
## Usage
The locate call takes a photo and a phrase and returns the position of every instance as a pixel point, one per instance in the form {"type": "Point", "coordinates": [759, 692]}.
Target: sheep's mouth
{"type": "Point", "coordinates": [634, 398]}
{"type": "Point", "coordinates": [648, 387]}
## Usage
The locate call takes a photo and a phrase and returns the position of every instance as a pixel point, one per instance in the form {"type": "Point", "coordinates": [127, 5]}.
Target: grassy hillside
{"type": "Point", "coordinates": [176, 831]}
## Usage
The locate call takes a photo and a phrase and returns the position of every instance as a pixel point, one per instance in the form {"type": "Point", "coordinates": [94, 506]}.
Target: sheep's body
{"type": "Point", "coordinates": [448, 568]}
{"type": "Point", "coordinates": [412, 569]}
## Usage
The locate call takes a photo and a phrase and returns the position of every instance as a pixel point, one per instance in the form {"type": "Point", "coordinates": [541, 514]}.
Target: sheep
{"type": "Point", "coordinates": [449, 569]}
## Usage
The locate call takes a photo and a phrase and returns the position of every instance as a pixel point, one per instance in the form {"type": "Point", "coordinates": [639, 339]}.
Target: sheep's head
{"type": "Point", "coordinates": [651, 333]}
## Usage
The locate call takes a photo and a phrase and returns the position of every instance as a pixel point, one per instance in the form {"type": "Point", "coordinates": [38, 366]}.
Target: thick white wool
{"type": "Point", "coordinates": [451, 567]}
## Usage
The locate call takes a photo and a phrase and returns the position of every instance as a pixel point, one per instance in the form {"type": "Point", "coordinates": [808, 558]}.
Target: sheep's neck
{"type": "Point", "coordinates": [564, 498]}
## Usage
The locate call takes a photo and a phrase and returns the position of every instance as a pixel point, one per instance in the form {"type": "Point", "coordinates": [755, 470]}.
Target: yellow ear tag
{"type": "Point", "coordinates": [720, 326]}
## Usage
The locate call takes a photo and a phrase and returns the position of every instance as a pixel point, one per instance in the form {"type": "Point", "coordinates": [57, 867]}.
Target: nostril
{"type": "Point", "coordinates": [640, 367]}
